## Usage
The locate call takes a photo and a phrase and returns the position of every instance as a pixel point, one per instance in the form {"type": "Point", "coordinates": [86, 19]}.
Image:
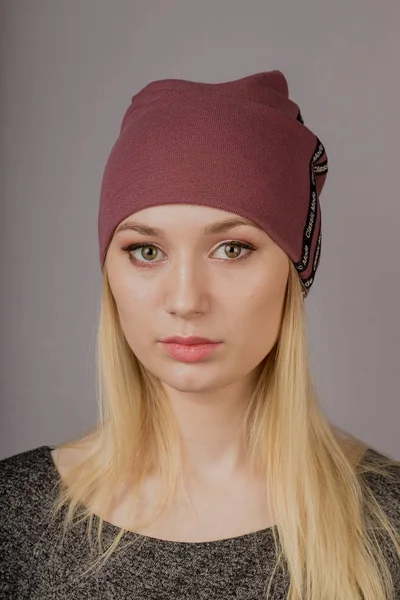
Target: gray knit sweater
{"type": "Point", "coordinates": [33, 564]}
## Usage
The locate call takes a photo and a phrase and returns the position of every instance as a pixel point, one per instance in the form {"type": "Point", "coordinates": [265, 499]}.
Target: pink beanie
{"type": "Point", "coordinates": [240, 146]}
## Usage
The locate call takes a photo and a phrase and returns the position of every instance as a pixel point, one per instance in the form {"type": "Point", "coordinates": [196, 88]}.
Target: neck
{"type": "Point", "coordinates": [211, 429]}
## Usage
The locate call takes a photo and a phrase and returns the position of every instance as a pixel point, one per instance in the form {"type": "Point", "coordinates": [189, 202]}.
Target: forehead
{"type": "Point", "coordinates": [158, 219]}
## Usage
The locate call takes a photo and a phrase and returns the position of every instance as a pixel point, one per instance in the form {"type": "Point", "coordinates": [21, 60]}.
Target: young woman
{"type": "Point", "coordinates": [212, 472]}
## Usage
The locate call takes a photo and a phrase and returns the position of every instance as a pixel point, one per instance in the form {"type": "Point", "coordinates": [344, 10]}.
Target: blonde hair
{"type": "Point", "coordinates": [326, 514]}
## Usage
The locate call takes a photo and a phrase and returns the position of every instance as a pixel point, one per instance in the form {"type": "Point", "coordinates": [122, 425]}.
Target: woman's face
{"type": "Point", "coordinates": [190, 282]}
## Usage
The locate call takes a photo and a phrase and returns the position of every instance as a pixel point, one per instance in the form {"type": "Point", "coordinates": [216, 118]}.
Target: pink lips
{"type": "Point", "coordinates": [190, 349]}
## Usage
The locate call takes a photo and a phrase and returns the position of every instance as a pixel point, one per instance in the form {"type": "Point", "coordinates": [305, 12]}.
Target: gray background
{"type": "Point", "coordinates": [68, 71]}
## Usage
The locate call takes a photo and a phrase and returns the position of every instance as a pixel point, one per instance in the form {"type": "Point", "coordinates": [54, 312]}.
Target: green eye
{"type": "Point", "coordinates": [230, 245]}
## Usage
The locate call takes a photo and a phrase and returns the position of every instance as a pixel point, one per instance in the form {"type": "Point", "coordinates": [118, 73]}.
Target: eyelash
{"type": "Point", "coordinates": [140, 263]}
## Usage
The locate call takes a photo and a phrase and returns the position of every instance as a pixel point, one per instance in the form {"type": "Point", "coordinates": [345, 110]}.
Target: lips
{"type": "Point", "coordinates": [190, 353]}
{"type": "Point", "coordinates": [188, 341]}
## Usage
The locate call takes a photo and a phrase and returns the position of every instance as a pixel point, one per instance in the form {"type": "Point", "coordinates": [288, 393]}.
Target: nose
{"type": "Point", "coordinates": [187, 291]}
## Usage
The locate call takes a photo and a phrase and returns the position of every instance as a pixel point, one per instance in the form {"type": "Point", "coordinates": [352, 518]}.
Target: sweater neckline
{"type": "Point", "coordinates": [129, 535]}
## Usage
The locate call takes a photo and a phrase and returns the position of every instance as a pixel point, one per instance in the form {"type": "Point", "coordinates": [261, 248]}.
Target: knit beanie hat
{"type": "Point", "coordinates": [240, 146]}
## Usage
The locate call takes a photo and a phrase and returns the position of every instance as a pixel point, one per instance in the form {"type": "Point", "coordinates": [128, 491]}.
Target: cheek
{"type": "Point", "coordinates": [258, 321]}
{"type": "Point", "coordinates": [134, 310]}
{"type": "Point", "coordinates": [131, 294]}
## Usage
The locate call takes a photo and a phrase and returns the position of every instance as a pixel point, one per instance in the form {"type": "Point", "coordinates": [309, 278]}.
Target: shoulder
{"type": "Point", "coordinates": [23, 477]}
{"type": "Point", "coordinates": [26, 492]}
{"type": "Point", "coordinates": [380, 475]}
{"type": "Point", "coordinates": [380, 478]}
{"type": "Point", "coordinates": [26, 481]}
{"type": "Point", "coordinates": [26, 485]}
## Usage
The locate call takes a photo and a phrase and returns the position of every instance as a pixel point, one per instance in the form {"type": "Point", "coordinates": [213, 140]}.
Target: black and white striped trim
{"type": "Point", "coordinates": [317, 168]}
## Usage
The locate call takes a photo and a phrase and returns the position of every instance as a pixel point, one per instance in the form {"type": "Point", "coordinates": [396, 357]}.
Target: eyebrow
{"type": "Point", "coordinates": [217, 227]}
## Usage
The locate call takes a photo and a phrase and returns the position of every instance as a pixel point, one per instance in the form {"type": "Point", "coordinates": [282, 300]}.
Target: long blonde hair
{"type": "Point", "coordinates": [325, 512]}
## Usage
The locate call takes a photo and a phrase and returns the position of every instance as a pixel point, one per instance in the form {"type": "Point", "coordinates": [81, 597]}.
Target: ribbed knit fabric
{"type": "Point", "coordinates": [34, 566]}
